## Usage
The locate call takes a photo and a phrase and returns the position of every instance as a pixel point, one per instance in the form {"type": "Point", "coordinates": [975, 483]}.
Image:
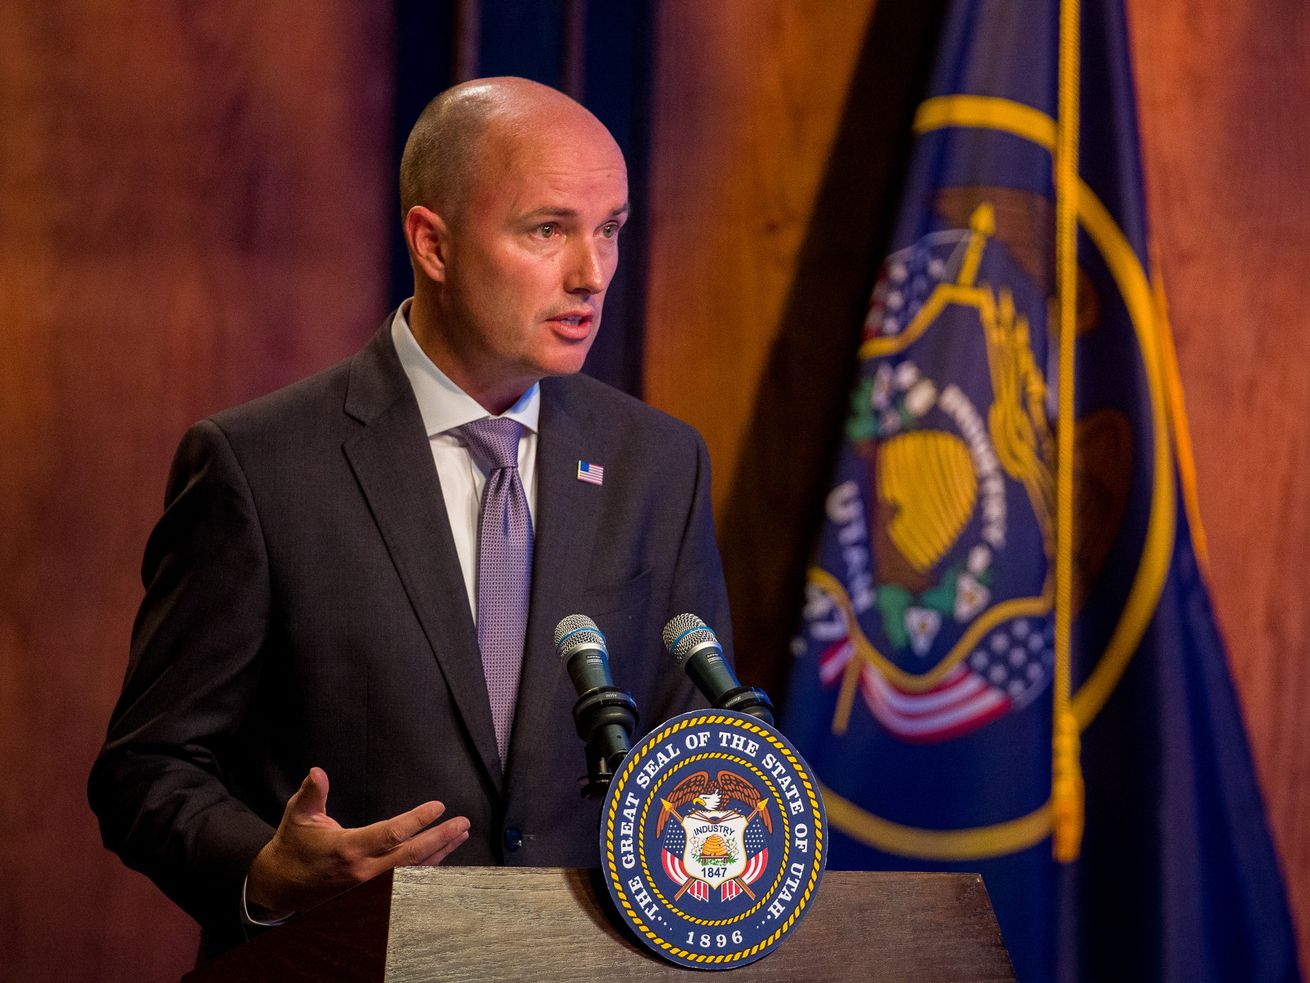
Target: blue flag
{"type": "Point", "coordinates": [1008, 661]}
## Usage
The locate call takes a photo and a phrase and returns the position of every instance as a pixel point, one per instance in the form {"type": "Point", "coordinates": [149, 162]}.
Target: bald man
{"type": "Point", "coordinates": [311, 618]}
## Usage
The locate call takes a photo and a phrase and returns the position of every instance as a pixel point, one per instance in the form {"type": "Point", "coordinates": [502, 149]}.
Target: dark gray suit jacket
{"type": "Point", "coordinates": [304, 606]}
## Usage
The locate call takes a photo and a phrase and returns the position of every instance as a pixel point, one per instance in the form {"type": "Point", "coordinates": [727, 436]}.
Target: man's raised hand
{"type": "Point", "coordinates": [312, 857]}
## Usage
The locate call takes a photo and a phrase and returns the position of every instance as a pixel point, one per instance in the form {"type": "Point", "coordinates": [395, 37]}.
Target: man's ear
{"type": "Point", "coordinates": [427, 235]}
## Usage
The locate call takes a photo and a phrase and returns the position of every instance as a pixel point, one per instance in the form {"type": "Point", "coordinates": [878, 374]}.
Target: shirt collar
{"type": "Point", "coordinates": [442, 404]}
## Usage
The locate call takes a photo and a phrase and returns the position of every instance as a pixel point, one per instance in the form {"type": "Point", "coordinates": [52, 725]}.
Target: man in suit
{"type": "Point", "coordinates": [330, 593]}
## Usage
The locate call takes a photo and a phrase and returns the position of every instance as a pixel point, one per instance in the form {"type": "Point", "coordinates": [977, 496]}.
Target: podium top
{"type": "Point", "coordinates": [494, 923]}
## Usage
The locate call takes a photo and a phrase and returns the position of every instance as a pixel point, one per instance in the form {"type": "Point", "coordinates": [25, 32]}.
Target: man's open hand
{"type": "Point", "coordinates": [312, 857]}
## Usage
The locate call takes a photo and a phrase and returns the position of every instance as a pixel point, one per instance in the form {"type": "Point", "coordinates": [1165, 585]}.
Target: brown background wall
{"type": "Point", "coordinates": [179, 221]}
{"type": "Point", "coordinates": [748, 103]}
{"type": "Point", "coordinates": [1225, 95]}
{"type": "Point", "coordinates": [178, 224]}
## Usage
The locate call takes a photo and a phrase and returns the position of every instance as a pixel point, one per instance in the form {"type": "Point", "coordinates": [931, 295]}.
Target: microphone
{"type": "Point", "coordinates": [604, 716]}
{"type": "Point", "coordinates": [697, 651]}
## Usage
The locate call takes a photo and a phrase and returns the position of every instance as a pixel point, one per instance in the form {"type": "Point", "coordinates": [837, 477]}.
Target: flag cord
{"type": "Point", "coordinates": [1066, 771]}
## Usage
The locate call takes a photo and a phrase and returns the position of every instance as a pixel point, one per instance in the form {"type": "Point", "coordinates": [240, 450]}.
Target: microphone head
{"type": "Point", "coordinates": [686, 634]}
{"type": "Point", "coordinates": [575, 631]}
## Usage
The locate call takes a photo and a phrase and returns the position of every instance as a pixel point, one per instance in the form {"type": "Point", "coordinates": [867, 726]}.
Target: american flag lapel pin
{"type": "Point", "coordinates": [591, 472]}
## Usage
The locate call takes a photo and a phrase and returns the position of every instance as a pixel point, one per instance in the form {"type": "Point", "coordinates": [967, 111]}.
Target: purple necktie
{"type": "Point", "coordinates": [504, 565]}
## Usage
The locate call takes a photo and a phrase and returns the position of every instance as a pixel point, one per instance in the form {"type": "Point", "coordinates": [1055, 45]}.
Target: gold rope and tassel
{"type": "Point", "coordinates": [1067, 792]}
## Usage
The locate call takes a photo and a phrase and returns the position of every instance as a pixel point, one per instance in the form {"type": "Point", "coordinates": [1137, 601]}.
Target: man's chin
{"type": "Point", "coordinates": [568, 360]}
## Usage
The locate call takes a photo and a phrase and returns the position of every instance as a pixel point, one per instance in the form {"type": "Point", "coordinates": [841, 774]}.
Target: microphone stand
{"type": "Point", "coordinates": [747, 699]}
{"type": "Point", "coordinates": [605, 718]}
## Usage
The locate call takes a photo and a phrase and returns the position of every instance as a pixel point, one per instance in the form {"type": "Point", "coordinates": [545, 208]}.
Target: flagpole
{"type": "Point", "coordinates": [1066, 770]}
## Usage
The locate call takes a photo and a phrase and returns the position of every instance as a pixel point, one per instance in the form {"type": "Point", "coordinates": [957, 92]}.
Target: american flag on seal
{"type": "Point", "coordinates": [671, 859]}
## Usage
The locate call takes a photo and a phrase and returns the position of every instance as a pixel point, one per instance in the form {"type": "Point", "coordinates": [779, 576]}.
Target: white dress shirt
{"type": "Point", "coordinates": [444, 406]}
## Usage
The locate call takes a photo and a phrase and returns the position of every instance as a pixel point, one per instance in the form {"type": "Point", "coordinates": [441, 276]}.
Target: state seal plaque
{"type": "Point", "coordinates": [713, 839]}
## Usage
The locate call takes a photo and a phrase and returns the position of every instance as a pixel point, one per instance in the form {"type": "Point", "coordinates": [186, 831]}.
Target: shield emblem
{"type": "Point", "coordinates": [716, 847]}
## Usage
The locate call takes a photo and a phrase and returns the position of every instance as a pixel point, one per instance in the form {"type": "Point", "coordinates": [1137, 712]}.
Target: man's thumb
{"type": "Point", "coordinates": [311, 798]}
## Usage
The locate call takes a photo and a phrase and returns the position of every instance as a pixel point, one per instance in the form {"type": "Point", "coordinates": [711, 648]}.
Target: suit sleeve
{"type": "Point", "coordinates": [159, 786]}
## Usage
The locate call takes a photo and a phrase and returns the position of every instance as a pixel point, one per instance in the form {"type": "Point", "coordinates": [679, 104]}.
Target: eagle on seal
{"type": "Point", "coordinates": [711, 797]}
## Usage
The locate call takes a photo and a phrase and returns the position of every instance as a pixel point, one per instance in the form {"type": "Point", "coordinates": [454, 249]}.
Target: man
{"type": "Point", "coordinates": [344, 582]}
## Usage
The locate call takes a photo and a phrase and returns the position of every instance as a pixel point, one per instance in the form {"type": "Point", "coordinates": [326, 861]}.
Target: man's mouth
{"type": "Point", "coordinates": [574, 317]}
{"type": "Point", "coordinates": [577, 323]}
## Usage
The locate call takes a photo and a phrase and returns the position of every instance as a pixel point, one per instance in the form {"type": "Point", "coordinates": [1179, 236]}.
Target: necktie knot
{"type": "Point", "coordinates": [493, 442]}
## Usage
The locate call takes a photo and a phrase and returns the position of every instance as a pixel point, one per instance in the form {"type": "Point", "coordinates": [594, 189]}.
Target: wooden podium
{"type": "Point", "coordinates": [553, 924]}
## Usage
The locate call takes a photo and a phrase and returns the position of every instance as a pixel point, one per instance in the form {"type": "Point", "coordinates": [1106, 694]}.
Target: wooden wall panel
{"type": "Point", "coordinates": [1224, 91]}
{"type": "Point", "coordinates": [749, 100]}
{"type": "Point", "coordinates": [760, 265]}
{"type": "Point", "coordinates": [189, 215]}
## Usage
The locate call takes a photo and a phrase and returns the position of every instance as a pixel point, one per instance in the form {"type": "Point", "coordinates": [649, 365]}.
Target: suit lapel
{"type": "Point", "coordinates": [393, 464]}
{"type": "Point", "coordinates": [567, 515]}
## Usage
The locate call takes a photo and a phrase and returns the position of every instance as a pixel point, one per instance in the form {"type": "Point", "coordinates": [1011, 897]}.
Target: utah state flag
{"type": "Point", "coordinates": [1008, 660]}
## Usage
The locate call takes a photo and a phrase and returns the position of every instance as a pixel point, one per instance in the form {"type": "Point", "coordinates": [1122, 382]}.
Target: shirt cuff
{"type": "Point", "coordinates": [265, 919]}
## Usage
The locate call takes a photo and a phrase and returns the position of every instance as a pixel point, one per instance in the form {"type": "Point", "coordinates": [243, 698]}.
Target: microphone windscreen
{"type": "Point", "coordinates": [577, 630]}
{"type": "Point", "coordinates": [685, 634]}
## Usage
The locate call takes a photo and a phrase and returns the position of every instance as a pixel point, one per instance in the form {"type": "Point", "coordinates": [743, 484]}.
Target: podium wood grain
{"type": "Point", "coordinates": [469, 923]}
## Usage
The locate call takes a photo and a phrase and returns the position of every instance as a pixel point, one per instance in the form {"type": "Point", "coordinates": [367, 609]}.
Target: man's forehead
{"type": "Point", "coordinates": [551, 166]}
{"type": "Point", "coordinates": [562, 184]}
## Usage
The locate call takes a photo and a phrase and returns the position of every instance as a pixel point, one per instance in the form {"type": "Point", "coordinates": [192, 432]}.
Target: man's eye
{"type": "Point", "coordinates": [547, 230]}
{"type": "Point", "coordinates": [610, 229]}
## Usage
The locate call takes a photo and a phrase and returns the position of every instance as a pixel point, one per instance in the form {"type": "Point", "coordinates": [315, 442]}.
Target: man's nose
{"type": "Point", "coordinates": [587, 271]}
